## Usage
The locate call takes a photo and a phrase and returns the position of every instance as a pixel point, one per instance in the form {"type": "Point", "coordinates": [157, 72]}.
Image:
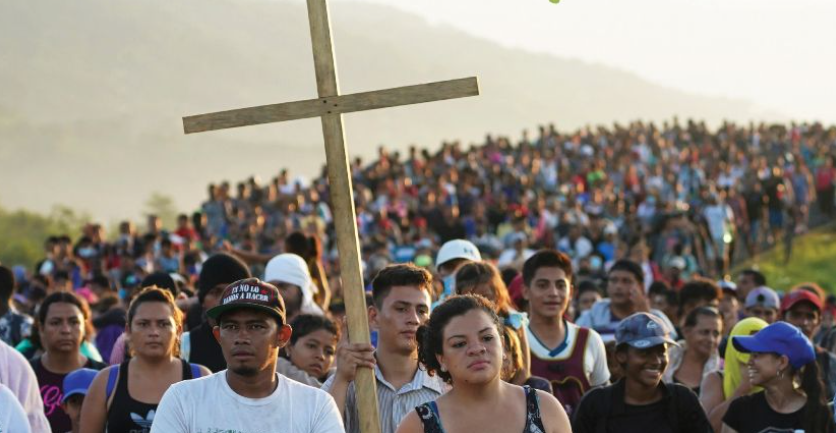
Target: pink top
{"type": "Point", "coordinates": [18, 376]}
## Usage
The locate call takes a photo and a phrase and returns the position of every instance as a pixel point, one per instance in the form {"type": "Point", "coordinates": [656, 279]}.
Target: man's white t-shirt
{"type": "Point", "coordinates": [209, 405]}
{"type": "Point", "coordinates": [12, 417]}
{"type": "Point", "coordinates": [719, 217]}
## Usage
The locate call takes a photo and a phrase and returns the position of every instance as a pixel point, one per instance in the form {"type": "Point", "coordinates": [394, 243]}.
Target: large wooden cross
{"type": "Point", "coordinates": [329, 106]}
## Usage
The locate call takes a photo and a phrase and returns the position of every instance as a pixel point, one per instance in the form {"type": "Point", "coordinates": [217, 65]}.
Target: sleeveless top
{"type": "Point", "coordinates": [127, 415]}
{"type": "Point", "coordinates": [568, 378]}
{"type": "Point", "coordinates": [428, 412]}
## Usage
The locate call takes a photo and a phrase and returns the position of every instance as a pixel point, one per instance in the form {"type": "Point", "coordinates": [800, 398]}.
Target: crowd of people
{"type": "Point", "coordinates": [571, 282]}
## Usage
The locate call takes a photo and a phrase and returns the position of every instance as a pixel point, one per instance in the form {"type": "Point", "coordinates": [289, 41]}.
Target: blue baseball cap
{"type": "Point", "coordinates": [643, 330]}
{"type": "Point", "coordinates": [78, 382]}
{"type": "Point", "coordinates": [780, 338]}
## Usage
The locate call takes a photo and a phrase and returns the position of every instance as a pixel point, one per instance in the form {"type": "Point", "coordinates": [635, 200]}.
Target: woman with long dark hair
{"type": "Point", "coordinates": [720, 388]}
{"type": "Point", "coordinates": [124, 397]}
{"type": "Point", "coordinates": [781, 357]}
{"type": "Point", "coordinates": [63, 323]}
{"type": "Point", "coordinates": [462, 344]}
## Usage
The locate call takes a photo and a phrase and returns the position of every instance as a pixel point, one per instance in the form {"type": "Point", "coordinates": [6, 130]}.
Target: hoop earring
{"type": "Point", "coordinates": [781, 374]}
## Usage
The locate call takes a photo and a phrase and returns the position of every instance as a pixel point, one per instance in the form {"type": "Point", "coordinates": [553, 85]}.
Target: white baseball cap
{"type": "Point", "coordinates": [457, 249]}
{"type": "Point", "coordinates": [677, 262]}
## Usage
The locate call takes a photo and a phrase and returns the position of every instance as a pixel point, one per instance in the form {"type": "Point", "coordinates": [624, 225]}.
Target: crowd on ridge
{"type": "Point", "coordinates": [590, 268]}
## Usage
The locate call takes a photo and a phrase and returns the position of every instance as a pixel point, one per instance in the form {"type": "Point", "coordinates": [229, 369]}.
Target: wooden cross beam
{"type": "Point", "coordinates": [330, 106]}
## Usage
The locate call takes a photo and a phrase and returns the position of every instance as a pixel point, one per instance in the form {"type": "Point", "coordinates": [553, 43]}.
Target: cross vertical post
{"type": "Point", "coordinates": [342, 200]}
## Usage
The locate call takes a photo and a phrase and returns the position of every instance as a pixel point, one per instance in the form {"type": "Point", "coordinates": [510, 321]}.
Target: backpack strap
{"type": "Point", "coordinates": [428, 413]}
{"type": "Point", "coordinates": [533, 418]}
{"type": "Point", "coordinates": [111, 381]}
{"type": "Point", "coordinates": [196, 373]}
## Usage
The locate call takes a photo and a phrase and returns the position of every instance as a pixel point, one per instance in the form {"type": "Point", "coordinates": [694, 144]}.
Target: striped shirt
{"type": "Point", "coordinates": [393, 405]}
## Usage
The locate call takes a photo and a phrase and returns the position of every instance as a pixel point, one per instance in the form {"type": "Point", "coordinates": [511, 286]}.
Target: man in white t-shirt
{"type": "Point", "coordinates": [720, 219]}
{"type": "Point", "coordinates": [12, 416]}
{"type": "Point", "coordinates": [249, 396]}
{"type": "Point", "coordinates": [572, 358]}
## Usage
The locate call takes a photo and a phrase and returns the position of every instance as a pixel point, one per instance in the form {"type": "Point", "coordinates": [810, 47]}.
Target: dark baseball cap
{"type": "Point", "coordinates": [643, 330]}
{"type": "Point", "coordinates": [250, 293]}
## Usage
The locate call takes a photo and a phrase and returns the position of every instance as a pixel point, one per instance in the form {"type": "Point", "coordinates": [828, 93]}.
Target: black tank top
{"type": "Point", "coordinates": [127, 415]}
{"type": "Point", "coordinates": [428, 412]}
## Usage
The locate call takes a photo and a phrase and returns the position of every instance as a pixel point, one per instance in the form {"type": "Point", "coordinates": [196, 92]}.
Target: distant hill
{"type": "Point", "coordinates": [92, 92]}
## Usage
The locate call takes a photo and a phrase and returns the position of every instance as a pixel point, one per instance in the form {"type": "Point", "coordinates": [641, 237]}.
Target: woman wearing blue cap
{"type": "Point", "coordinates": [641, 402]}
{"type": "Point", "coordinates": [781, 357]}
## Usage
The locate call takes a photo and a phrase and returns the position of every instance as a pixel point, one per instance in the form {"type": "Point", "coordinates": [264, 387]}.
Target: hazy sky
{"type": "Point", "coordinates": [777, 53]}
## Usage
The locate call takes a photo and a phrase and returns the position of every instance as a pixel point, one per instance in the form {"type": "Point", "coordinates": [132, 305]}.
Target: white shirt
{"type": "Point", "coordinates": [208, 404]}
{"type": "Point", "coordinates": [719, 218]}
{"type": "Point", "coordinates": [12, 417]}
{"type": "Point", "coordinates": [594, 362]}
{"type": "Point", "coordinates": [393, 404]}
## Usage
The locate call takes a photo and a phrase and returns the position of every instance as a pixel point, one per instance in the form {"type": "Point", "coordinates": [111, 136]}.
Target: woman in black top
{"type": "Point", "coordinates": [124, 398]}
{"type": "Point", "coordinates": [780, 355]}
{"type": "Point", "coordinates": [63, 323]}
{"type": "Point", "coordinates": [462, 344]}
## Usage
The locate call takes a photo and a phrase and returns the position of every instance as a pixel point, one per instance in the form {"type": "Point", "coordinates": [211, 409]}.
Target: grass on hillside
{"type": "Point", "coordinates": [813, 259]}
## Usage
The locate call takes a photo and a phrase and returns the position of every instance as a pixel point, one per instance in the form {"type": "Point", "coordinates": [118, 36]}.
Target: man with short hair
{"type": "Point", "coordinates": [572, 358]}
{"type": "Point", "coordinates": [698, 293]}
{"type": "Point", "coordinates": [401, 303]}
{"type": "Point", "coordinates": [625, 288]}
{"type": "Point", "coordinates": [748, 280]}
{"type": "Point", "coordinates": [803, 309]}
{"type": "Point", "coordinates": [199, 345]}
{"type": "Point", "coordinates": [250, 396]}
{"type": "Point", "coordinates": [641, 401]}
{"type": "Point", "coordinates": [762, 302]}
